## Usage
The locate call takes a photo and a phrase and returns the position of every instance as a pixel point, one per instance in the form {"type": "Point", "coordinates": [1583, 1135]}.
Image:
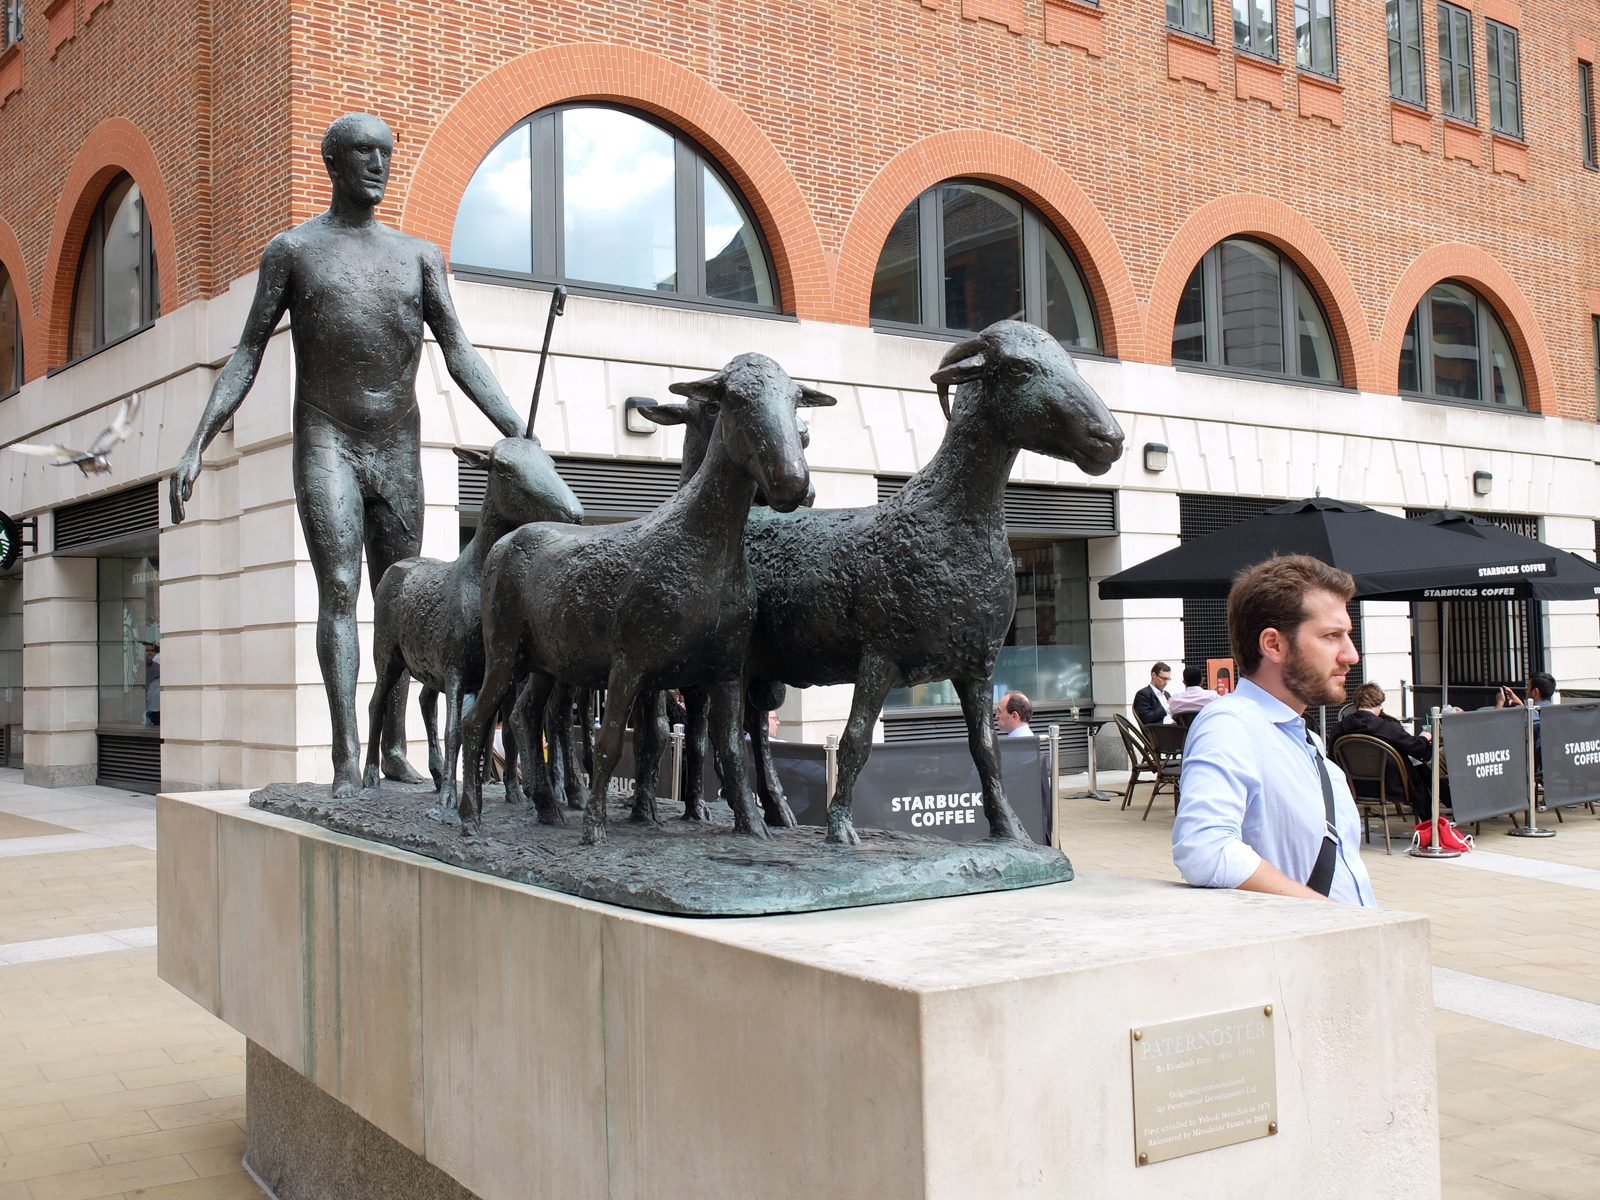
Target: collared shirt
{"type": "Point", "coordinates": [1251, 791]}
{"type": "Point", "coordinates": [1192, 699]}
{"type": "Point", "coordinates": [1022, 731]}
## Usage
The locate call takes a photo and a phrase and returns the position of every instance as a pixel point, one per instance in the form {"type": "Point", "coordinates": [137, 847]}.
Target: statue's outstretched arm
{"type": "Point", "coordinates": [235, 379]}
{"type": "Point", "coordinates": [465, 364]}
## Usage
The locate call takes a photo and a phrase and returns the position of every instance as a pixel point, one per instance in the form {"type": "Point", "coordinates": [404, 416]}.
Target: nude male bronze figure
{"type": "Point", "coordinates": [357, 294]}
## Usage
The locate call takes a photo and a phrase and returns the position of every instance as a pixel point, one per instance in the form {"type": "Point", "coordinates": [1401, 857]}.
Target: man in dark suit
{"type": "Point", "coordinates": [1368, 717]}
{"type": "Point", "coordinates": [1150, 703]}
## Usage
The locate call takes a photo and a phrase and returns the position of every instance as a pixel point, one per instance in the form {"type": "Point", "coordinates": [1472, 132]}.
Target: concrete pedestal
{"type": "Point", "coordinates": [523, 1043]}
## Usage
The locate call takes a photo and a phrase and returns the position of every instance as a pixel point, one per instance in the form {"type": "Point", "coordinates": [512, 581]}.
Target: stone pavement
{"type": "Point", "coordinates": [1519, 1112]}
{"type": "Point", "coordinates": [112, 1084]}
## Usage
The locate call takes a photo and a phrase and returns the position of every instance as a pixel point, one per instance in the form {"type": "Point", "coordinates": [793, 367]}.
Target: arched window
{"type": "Point", "coordinates": [965, 255]}
{"type": "Point", "coordinates": [10, 335]}
{"type": "Point", "coordinates": [1248, 308]}
{"type": "Point", "coordinates": [118, 291]}
{"type": "Point", "coordinates": [1455, 348]}
{"type": "Point", "coordinates": [611, 202]}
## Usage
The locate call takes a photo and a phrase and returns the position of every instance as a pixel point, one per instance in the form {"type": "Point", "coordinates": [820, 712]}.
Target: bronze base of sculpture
{"type": "Point", "coordinates": [685, 868]}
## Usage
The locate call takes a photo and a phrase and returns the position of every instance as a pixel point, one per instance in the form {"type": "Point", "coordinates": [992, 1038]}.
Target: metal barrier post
{"type": "Point", "coordinates": [1055, 782]}
{"type": "Point", "coordinates": [1531, 829]}
{"type": "Point", "coordinates": [1434, 850]}
{"type": "Point", "coordinates": [677, 764]}
{"type": "Point", "coordinates": [832, 751]}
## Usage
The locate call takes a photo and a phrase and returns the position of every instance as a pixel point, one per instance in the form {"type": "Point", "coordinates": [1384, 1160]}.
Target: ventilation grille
{"type": "Point", "coordinates": [607, 487]}
{"type": "Point", "coordinates": [1033, 508]}
{"type": "Point", "coordinates": [5, 745]}
{"type": "Point", "coordinates": [122, 514]}
{"type": "Point", "coordinates": [130, 763]}
{"type": "Point", "coordinates": [1519, 523]}
{"type": "Point", "coordinates": [948, 725]}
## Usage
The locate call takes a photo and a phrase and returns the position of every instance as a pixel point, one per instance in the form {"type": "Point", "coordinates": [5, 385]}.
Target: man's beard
{"type": "Point", "coordinates": [1305, 685]}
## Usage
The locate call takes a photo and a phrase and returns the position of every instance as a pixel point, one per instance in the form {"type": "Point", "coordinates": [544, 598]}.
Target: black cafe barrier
{"type": "Point", "coordinates": [1486, 758]}
{"type": "Point", "coordinates": [914, 787]}
{"type": "Point", "coordinates": [1569, 745]}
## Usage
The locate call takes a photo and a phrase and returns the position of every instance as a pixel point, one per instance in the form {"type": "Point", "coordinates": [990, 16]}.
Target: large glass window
{"type": "Point", "coordinates": [1405, 49]}
{"type": "Point", "coordinates": [1313, 37]}
{"type": "Point", "coordinates": [1594, 329]}
{"type": "Point", "coordinates": [1455, 348]}
{"type": "Point", "coordinates": [10, 22]}
{"type": "Point", "coordinates": [604, 199]}
{"type": "Point", "coordinates": [130, 640]}
{"type": "Point", "coordinates": [1253, 27]}
{"type": "Point", "coordinates": [118, 289]}
{"type": "Point", "coordinates": [1586, 113]}
{"type": "Point", "coordinates": [1191, 16]}
{"type": "Point", "coordinates": [11, 663]}
{"type": "Point", "coordinates": [1505, 79]}
{"type": "Point", "coordinates": [995, 258]}
{"type": "Point", "coordinates": [1046, 655]}
{"type": "Point", "coordinates": [1246, 307]}
{"type": "Point", "coordinates": [10, 336]}
{"type": "Point", "coordinates": [1455, 63]}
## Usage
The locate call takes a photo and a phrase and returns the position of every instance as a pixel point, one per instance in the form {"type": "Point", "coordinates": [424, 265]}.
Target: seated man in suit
{"type": "Point", "coordinates": [1368, 717]}
{"type": "Point", "coordinates": [1150, 703]}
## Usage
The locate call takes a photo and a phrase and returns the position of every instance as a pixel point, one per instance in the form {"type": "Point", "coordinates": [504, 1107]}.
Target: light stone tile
{"type": "Point", "coordinates": [260, 935]}
{"type": "Point", "coordinates": [187, 888]}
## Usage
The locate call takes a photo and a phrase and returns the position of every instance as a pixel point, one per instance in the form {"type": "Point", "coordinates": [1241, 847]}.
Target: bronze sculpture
{"type": "Point", "coordinates": [358, 295]}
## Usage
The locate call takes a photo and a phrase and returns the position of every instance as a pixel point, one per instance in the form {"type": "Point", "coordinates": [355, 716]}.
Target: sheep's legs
{"type": "Point", "coordinates": [452, 742]}
{"type": "Point", "coordinates": [773, 803]}
{"type": "Point", "coordinates": [694, 756]}
{"type": "Point", "coordinates": [390, 670]}
{"type": "Point", "coordinates": [531, 707]}
{"type": "Point", "coordinates": [428, 702]}
{"type": "Point", "coordinates": [514, 763]}
{"type": "Point", "coordinates": [621, 689]}
{"type": "Point", "coordinates": [977, 705]}
{"type": "Point", "coordinates": [576, 770]}
{"type": "Point", "coordinates": [650, 717]}
{"type": "Point", "coordinates": [873, 681]}
{"type": "Point", "coordinates": [727, 706]}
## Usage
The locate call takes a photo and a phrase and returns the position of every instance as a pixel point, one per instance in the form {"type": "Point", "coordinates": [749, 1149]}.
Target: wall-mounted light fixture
{"type": "Point", "coordinates": [634, 420]}
{"type": "Point", "coordinates": [1155, 457]}
{"type": "Point", "coordinates": [1482, 483]}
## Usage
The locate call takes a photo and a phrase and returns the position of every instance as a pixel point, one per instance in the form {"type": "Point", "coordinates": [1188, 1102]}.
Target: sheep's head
{"type": "Point", "coordinates": [1024, 386]}
{"type": "Point", "coordinates": [753, 401]}
{"type": "Point", "coordinates": [523, 483]}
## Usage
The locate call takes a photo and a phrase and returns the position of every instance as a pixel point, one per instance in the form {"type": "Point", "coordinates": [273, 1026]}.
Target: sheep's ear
{"type": "Point", "coordinates": [666, 414]}
{"type": "Point", "coordinates": [473, 458]}
{"type": "Point", "coordinates": [810, 397]}
{"type": "Point", "coordinates": [710, 390]}
{"type": "Point", "coordinates": [962, 363]}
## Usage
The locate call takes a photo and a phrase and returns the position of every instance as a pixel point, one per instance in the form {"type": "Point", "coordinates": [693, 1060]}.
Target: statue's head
{"type": "Point", "coordinates": [356, 150]}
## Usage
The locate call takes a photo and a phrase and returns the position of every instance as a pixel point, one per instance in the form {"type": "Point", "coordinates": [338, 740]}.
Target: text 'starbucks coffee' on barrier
{"type": "Point", "coordinates": [1486, 757]}
{"type": "Point", "coordinates": [1569, 744]}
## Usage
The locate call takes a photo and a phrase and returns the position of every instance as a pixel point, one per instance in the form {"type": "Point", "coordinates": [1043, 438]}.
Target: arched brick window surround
{"type": "Point", "coordinates": [16, 267]}
{"type": "Point", "coordinates": [1458, 260]}
{"type": "Point", "coordinates": [115, 146]}
{"type": "Point", "coordinates": [623, 75]}
{"type": "Point", "coordinates": [979, 154]}
{"type": "Point", "coordinates": [1284, 229]}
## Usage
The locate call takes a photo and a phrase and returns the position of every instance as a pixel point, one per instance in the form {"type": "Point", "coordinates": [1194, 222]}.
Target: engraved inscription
{"type": "Point", "coordinates": [1202, 1083]}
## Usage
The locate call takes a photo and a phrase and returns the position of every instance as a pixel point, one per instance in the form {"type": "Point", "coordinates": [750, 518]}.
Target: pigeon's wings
{"type": "Point", "coordinates": [62, 454]}
{"type": "Point", "coordinates": [114, 434]}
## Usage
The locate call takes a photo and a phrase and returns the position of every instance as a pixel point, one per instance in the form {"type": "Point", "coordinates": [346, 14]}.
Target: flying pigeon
{"type": "Point", "coordinates": [96, 460]}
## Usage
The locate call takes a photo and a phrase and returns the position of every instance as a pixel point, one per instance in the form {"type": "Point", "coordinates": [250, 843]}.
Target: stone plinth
{"type": "Point", "coordinates": [529, 1043]}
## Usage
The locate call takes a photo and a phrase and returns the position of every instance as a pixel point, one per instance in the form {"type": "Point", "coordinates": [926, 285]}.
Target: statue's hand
{"type": "Point", "coordinates": [183, 477]}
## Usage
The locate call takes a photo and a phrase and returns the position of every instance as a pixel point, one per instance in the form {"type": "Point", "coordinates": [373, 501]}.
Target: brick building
{"type": "Point", "coordinates": [1346, 247]}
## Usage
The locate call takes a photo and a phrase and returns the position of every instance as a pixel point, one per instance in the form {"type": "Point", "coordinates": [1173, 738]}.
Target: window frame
{"type": "Point", "coordinates": [1252, 12]}
{"type": "Point", "coordinates": [1211, 293]}
{"type": "Point", "coordinates": [930, 248]}
{"type": "Point", "coordinates": [1310, 8]}
{"type": "Point", "coordinates": [1397, 83]}
{"type": "Point", "coordinates": [10, 387]}
{"type": "Point", "coordinates": [1495, 37]}
{"type": "Point", "coordinates": [149, 277]}
{"type": "Point", "coordinates": [1591, 153]}
{"type": "Point", "coordinates": [1594, 327]}
{"type": "Point", "coordinates": [1185, 10]}
{"type": "Point", "coordinates": [548, 256]}
{"type": "Point", "coordinates": [1446, 15]}
{"type": "Point", "coordinates": [1422, 314]}
{"type": "Point", "coordinates": [11, 23]}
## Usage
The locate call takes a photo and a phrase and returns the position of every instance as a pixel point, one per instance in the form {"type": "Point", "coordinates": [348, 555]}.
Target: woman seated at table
{"type": "Point", "coordinates": [1368, 717]}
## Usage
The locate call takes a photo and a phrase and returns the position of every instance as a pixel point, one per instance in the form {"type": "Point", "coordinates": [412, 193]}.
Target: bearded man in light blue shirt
{"type": "Point", "coordinates": [1256, 786]}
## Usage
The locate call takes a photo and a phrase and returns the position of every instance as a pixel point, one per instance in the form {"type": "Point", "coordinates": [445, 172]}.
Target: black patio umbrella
{"type": "Point", "coordinates": [1390, 557]}
{"type": "Point", "coordinates": [1571, 577]}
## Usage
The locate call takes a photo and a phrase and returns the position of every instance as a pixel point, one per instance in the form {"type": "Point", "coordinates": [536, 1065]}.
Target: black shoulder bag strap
{"type": "Point", "coordinates": [1322, 874]}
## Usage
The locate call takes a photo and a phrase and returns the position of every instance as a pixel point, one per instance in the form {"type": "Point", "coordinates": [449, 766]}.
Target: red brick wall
{"type": "Point", "coordinates": [838, 92]}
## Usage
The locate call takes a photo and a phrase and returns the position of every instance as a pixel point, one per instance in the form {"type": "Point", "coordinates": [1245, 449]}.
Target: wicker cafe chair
{"type": "Point", "coordinates": [1141, 757]}
{"type": "Point", "coordinates": [1166, 741]}
{"type": "Point", "coordinates": [1185, 719]}
{"type": "Point", "coordinates": [1365, 762]}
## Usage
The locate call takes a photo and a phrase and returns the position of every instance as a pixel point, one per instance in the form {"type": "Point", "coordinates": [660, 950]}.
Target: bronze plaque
{"type": "Point", "coordinates": [1203, 1082]}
